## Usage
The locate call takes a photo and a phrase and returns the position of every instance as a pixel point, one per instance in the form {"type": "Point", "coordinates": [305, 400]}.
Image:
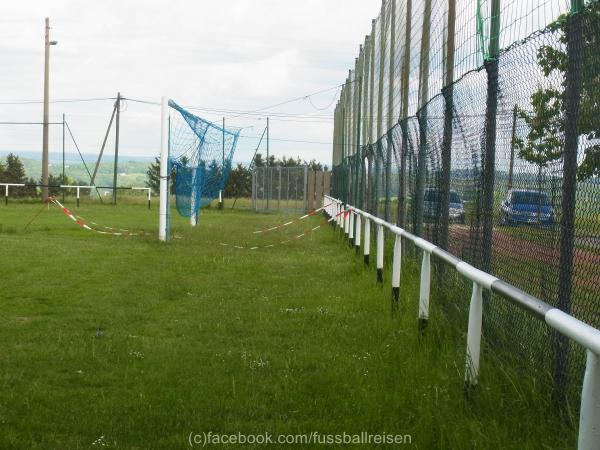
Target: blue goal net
{"type": "Point", "coordinates": [200, 154]}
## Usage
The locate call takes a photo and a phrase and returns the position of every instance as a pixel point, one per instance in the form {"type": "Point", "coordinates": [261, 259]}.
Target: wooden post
{"type": "Point", "coordinates": [116, 168]}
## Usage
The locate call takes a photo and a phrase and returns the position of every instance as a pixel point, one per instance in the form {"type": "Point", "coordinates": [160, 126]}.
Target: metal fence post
{"type": "Point", "coordinates": [404, 91]}
{"type": "Point", "coordinates": [448, 92]}
{"type": "Point", "coordinates": [367, 242]}
{"type": "Point", "coordinates": [474, 336]}
{"type": "Point", "coordinates": [351, 229]}
{"type": "Point", "coordinates": [346, 219]}
{"type": "Point", "coordinates": [589, 431]}
{"type": "Point", "coordinates": [424, 290]}
{"type": "Point", "coordinates": [357, 235]}
{"type": "Point", "coordinates": [491, 66]}
{"type": "Point", "coordinates": [396, 271]}
{"type": "Point", "coordinates": [569, 187]}
{"type": "Point", "coordinates": [380, 237]}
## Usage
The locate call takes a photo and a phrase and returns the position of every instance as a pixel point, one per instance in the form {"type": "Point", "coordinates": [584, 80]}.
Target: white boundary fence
{"type": "Point", "coordinates": [574, 329]}
{"type": "Point", "coordinates": [78, 188]}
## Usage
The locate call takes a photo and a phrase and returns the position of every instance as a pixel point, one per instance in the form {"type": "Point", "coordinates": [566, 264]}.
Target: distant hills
{"type": "Point", "coordinates": [131, 170]}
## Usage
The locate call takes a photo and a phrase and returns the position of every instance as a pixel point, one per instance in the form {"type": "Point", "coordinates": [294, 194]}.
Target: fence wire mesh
{"type": "Point", "coordinates": [492, 152]}
{"type": "Point", "coordinates": [279, 189]}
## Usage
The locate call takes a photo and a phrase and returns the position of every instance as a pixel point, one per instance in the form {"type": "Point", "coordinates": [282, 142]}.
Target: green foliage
{"type": "Point", "coordinates": [153, 176]}
{"type": "Point", "coordinates": [258, 160]}
{"type": "Point", "coordinates": [239, 183]}
{"type": "Point", "coordinates": [14, 171]}
{"type": "Point", "coordinates": [544, 143]}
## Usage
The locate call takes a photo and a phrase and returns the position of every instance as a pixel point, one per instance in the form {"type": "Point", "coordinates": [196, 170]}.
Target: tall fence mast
{"type": "Point", "coordinates": [390, 111]}
{"type": "Point", "coordinates": [491, 66]}
{"type": "Point", "coordinates": [364, 119]}
{"type": "Point", "coordinates": [448, 92]}
{"type": "Point", "coordinates": [404, 83]}
{"type": "Point", "coordinates": [378, 145]}
{"type": "Point", "coordinates": [422, 114]}
{"type": "Point", "coordinates": [371, 116]}
{"type": "Point", "coordinates": [569, 189]}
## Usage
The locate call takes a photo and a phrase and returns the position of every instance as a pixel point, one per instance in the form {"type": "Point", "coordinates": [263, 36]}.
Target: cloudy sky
{"type": "Point", "coordinates": [215, 55]}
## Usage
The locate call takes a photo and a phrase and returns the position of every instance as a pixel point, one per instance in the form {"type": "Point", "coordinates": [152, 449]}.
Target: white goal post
{"type": "Point", "coordinates": [164, 172]}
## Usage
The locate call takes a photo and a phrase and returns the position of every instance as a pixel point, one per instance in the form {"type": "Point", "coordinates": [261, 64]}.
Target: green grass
{"type": "Point", "coordinates": [198, 337]}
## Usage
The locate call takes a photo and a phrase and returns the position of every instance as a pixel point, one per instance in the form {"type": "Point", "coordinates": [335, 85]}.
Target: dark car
{"type": "Point", "coordinates": [431, 206]}
{"type": "Point", "coordinates": [526, 207]}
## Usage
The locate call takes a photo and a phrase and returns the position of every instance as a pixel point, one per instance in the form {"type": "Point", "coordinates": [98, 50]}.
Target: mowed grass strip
{"type": "Point", "coordinates": [127, 343]}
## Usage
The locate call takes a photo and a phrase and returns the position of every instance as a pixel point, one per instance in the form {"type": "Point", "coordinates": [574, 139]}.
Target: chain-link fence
{"type": "Point", "coordinates": [288, 189]}
{"type": "Point", "coordinates": [475, 124]}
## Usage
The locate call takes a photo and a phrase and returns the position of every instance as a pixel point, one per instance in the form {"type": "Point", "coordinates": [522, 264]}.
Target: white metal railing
{"type": "Point", "coordinates": [78, 190]}
{"type": "Point", "coordinates": [574, 329]}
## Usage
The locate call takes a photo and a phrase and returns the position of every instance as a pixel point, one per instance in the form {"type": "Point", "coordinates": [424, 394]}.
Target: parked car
{"type": "Point", "coordinates": [431, 206]}
{"type": "Point", "coordinates": [526, 207]}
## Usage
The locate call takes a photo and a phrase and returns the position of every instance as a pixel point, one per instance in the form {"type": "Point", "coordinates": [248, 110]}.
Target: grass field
{"type": "Point", "coordinates": [126, 343]}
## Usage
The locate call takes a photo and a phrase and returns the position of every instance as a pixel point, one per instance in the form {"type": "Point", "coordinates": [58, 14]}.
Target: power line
{"type": "Point", "coordinates": [304, 97]}
{"type": "Point", "coordinates": [73, 100]}
{"type": "Point", "coordinates": [30, 123]}
{"type": "Point", "coordinates": [240, 112]}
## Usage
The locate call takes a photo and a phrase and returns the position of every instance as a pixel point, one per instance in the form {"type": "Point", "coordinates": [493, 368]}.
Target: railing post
{"type": "Point", "coordinates": [396, 269]}
{"type": "Point", "coordinates": [589, 431]}
{"type": "Point", "coordinates": [474, 337]}
{"type": "Point", "coordinates": [351, 229]}
{"type": "Point", "coordinates": [424, 290]}
{"type": "Point", "coordinates": [6, 194]}
{"type": "Point", "coordinates": [346, 219]}
{"type": "Point", "coordinates": [380, 234]}
{"type": "Point", "coordinates": [357, 236]}
{"type": "Point", "coordinates": [367, 246]}
{"type": "Point", "coordinates": [78, 196]}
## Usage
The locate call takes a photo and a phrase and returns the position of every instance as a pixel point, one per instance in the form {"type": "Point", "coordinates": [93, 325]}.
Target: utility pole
{"type": "Point", "coordinates": [221, 199]}
{"type": "Point", "coordinates": [64, 181]}
{"type": "Point", "coordinates": [118, 111]}
{"type": "Point", "coordinates": [268, 171]}
{"type": "Point", "coordinates": [47, 44]}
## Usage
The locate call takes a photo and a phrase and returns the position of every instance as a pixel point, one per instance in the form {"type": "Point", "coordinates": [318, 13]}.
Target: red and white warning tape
{"type": "Point", "coordinates": [294, 238]}
{"type": "Point", "coordinates": [283, 225]}
{"type": "Point", "coordinates": [121, 230]}
{"type": "Point", "coordinates": [82, 224]}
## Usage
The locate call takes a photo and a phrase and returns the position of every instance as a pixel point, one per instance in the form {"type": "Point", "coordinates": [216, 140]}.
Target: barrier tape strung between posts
{"type": "Point", "coordinates": [82, 224]}
{"type": "Point", "coordinates": [294, 238]}
{"type": "Point", "coordinates": [278, 227]}
{"type": "Point", "coordinates": [121, 230]}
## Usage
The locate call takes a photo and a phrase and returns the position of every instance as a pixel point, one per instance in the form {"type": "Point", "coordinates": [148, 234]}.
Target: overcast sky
{"type": "Point", "coordinates": [230, 54]}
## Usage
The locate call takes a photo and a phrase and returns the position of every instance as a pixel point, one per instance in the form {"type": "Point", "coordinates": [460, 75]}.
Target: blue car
{"type": "Point", "coordinates": [526, 207]}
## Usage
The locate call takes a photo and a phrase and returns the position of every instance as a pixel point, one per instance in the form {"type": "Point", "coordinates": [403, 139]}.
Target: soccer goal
{"type": "Point", "coordinates": [195, 158]}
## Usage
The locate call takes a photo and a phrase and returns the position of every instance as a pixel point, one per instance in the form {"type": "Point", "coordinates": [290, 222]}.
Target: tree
{"type": "Point", "coordinates": [543, 143]}
{"type": "Point", "coordinates": [258, 160]}
{"type": "Point", "coordinates": [239, 183]}
{"type": "Point", "coordinates": [14, 172]}
{"type": "Point", "coordinates": [153, 175]}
